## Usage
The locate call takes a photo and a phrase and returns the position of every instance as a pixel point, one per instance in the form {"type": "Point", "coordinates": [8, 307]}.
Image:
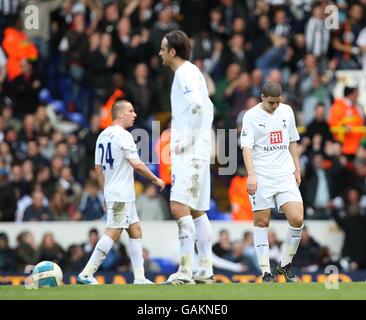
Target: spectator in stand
{"type": "Point", "coordinates": [17, 48]}
{"type": "Point", "coordinates": [344, 39]}
{"type": "Point", "coordinates": [88, 142]}
{"type": "Point", "coordinates": [241, 208]}
{"type": "Point", "coordinates": [143, 95]}
{"type": "Point", "coordinates": [317, 34]}
{"type": "Point", "coordinates": [141, 13]}
{"type": "Point", "coordinates": [61, 207]}
{"type": "Point", "coordinates": [118, 81]}
{"type": "Point", "coordinates": [75, 258]}
{"type": "Point", "coordinates": [7, 113]}
{"type": "Point", "coordinates": [26, 251]}
{"type": "Point", "coordinates": [318, 186]}
{"type": "Point", "coordinates": [25, 89]}
{"type": "Point", "coordinates": [109, 20]}
{"type": "Point", "coordinates": [100, 64]}
{"type": "Point", "coordinates": [151, 205]}
{"type": "Point", "coordinates": [7, 255]}
{"type": "Point", "coordinates": [40, 36]}
{"type": "Point", "coordinates": [93, 237]}
{"type": "Point", "coordinates": [350, 214]}
{"type": "Point", "coordinates": [308, 254]}
{"type": "Point", "coordinates": [274, 249]}
{"type": "Point", "coordinates": [345, 115]}
{"type": "Point", "coordinates": [117, 259]}
{"type": "Point", "coordinates": [149, 264]}
{"type": "Point", "coordinates": [37, 211]}
{"type": "Point", "coordinates": [361, 42]}
{"type": "Point", "coordinates": [91, 204]}
{"type": "Point", "coordinates": [50, 250]}
{"type": "Point", "coordinates": [162, 150]}
{"type": "Point", "coordinates": [319, 125]}
{"type": "Point", "coordinates": [8, 201]}
{"type": "Point", "coordinates": [74, 47]}
{"type": "Point", "coordinates": [222, 106]}
{"type": "Point", "coordinates": [223, 247]}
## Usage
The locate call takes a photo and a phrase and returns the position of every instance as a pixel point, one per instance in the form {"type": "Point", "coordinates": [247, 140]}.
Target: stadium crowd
{"type": "Point", "coordinates": [58, 82]}
{"type": "Point", "coordinates": [229, 255]}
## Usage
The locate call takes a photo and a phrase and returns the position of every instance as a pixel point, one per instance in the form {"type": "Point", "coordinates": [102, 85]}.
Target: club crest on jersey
{"type": "Point", "coordinates": [275, 137]}
{"type": "Point", "coordinates": [284, 123]}
{"type": "Point", "coordinates": [187, 90]}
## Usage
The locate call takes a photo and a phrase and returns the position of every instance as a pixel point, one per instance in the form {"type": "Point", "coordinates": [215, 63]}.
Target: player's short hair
{"type": "Point", "coordinates": [272, 89]}
{"type": "Point", "coordinates": [179, 41]}
{"type": "Point", "coordinates": [117, 107]}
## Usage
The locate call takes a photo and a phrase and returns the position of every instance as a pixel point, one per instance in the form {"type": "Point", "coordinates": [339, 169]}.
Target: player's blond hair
{"type": "Point", "coordinates": [118, 106]}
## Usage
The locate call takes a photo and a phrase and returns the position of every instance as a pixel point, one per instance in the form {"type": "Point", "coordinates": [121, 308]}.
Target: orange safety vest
{"type": "Point", "coordinates": [17, 47]}
{"type": "Point", "coordinates": [342, 114]}
{"type": "Point", "coordinates": [241, 208]}
{"type": "Point", "coordinates": [105, 109]}
{"type": "Point", "coordinates": [162, 149]}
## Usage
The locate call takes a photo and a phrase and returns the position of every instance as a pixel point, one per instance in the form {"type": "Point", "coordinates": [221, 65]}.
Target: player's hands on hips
{"type": "Point", "coordinates": [251, 184]}
{"type": "Point", "coordinates": [297, 174]}
{"type": "Point", "coordinates": [160, 183]}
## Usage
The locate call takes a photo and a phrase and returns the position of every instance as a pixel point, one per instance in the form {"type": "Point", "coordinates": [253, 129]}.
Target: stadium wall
{"type": "Point", "coordinates": [160, 237]}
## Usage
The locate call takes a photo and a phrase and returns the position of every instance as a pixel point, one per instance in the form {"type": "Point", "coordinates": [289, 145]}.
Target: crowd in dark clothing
{"type": "Point", "coordinates": [55, 80]}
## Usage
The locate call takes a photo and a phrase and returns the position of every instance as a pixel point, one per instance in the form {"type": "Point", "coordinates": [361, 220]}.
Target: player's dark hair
{"type": "Point", "coordinates": [272, 89]}
{"type": "Point", "coordinates": [179, 41]}
{"type": "Point", "coordinates": [117, 107]}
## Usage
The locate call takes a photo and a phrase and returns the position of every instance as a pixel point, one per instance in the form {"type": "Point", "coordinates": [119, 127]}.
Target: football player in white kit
{"type": "Point", "coordinates": [269, 143]}
{"type": "Point", "coordinates": [192, 116]}
{"type": "Point", "coordinates": [116, 158]}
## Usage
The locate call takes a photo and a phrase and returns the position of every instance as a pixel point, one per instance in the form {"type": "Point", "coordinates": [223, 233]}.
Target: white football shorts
{"type": "Point", "coordinates": [120, 215]}
{"type": "Point", "coordinates": [275, 192]}
{"type": "Point", "coordinates": [191, 184]}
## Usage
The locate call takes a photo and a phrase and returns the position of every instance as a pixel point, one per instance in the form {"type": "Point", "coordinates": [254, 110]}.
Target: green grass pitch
{"type": "Point", "coordinates": [235, 291]}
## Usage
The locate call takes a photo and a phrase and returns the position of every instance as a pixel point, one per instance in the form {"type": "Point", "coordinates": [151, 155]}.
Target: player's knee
{"type": "Point", "coordinates": [114, 234]}
{"type": "Point", "coordinates": [178, 210]}
{"type": "Point", "coordinates": [135, 231]}
{"type": "Point", "coordinates": [297, 222]}
{"type": "Point", "coordinates": [262, 224]}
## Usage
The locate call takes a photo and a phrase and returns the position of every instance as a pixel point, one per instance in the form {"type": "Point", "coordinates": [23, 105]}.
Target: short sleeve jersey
{"type": "Point", "coordinates": [189, 88]}
{"type": "Point", "coordinates": [114, 147]}
{"type": "Point", "coordinates": [268, 136]}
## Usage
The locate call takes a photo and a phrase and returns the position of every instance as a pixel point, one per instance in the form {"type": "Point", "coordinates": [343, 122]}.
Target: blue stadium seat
{"type": "Point", "coordinates": [58, 106]}
{"type": "Point", "coordinates": [215, 214]}
{"type": "Point", "coordinates": [166, 265]}
{"type": "Point", "coordinates": [77, 118]}
{"type": "Point", "coordinates": [45, 96]}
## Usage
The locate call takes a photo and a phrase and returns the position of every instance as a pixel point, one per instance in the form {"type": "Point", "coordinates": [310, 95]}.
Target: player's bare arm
{"type": "Point", "coordinates": [143, 170]}
{"type": "Point", "coordinates": [295, 156]}
{"type": "Point", "coordinates": [100, 176]}
{"type": "Point", "coordinates": [252, 180]}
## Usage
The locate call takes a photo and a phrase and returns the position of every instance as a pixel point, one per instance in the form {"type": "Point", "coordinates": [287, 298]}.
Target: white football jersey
{"type": "Point", "coordinates": [114, 146]}
{"type": "Point", "coordinates": [268, 136]}
{"type": "Point", "coordinates": [189, 88]}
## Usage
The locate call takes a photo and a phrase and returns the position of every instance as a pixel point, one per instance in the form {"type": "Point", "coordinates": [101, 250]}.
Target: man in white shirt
{"type": "Point", "coordinates": [116, 158]}
{"type": "Point", "coordinates": [192, 116]}
{"type": "Point", "coordinates": [269, 142]}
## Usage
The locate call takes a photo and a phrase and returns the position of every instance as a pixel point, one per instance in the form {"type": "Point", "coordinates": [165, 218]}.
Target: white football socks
{"type": "Point", "coordinates": [137, 260]}
{"type": "Point", "coordinates": [103, 246]}
{"type": "Point", "coordinates": [262, 248]}
{"type": "Point", "coordinates": [186, 239]}
{"type": "Point", "coordinates": [204, 243]}
{"type": "Point", "coordinates": [292, 242]}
